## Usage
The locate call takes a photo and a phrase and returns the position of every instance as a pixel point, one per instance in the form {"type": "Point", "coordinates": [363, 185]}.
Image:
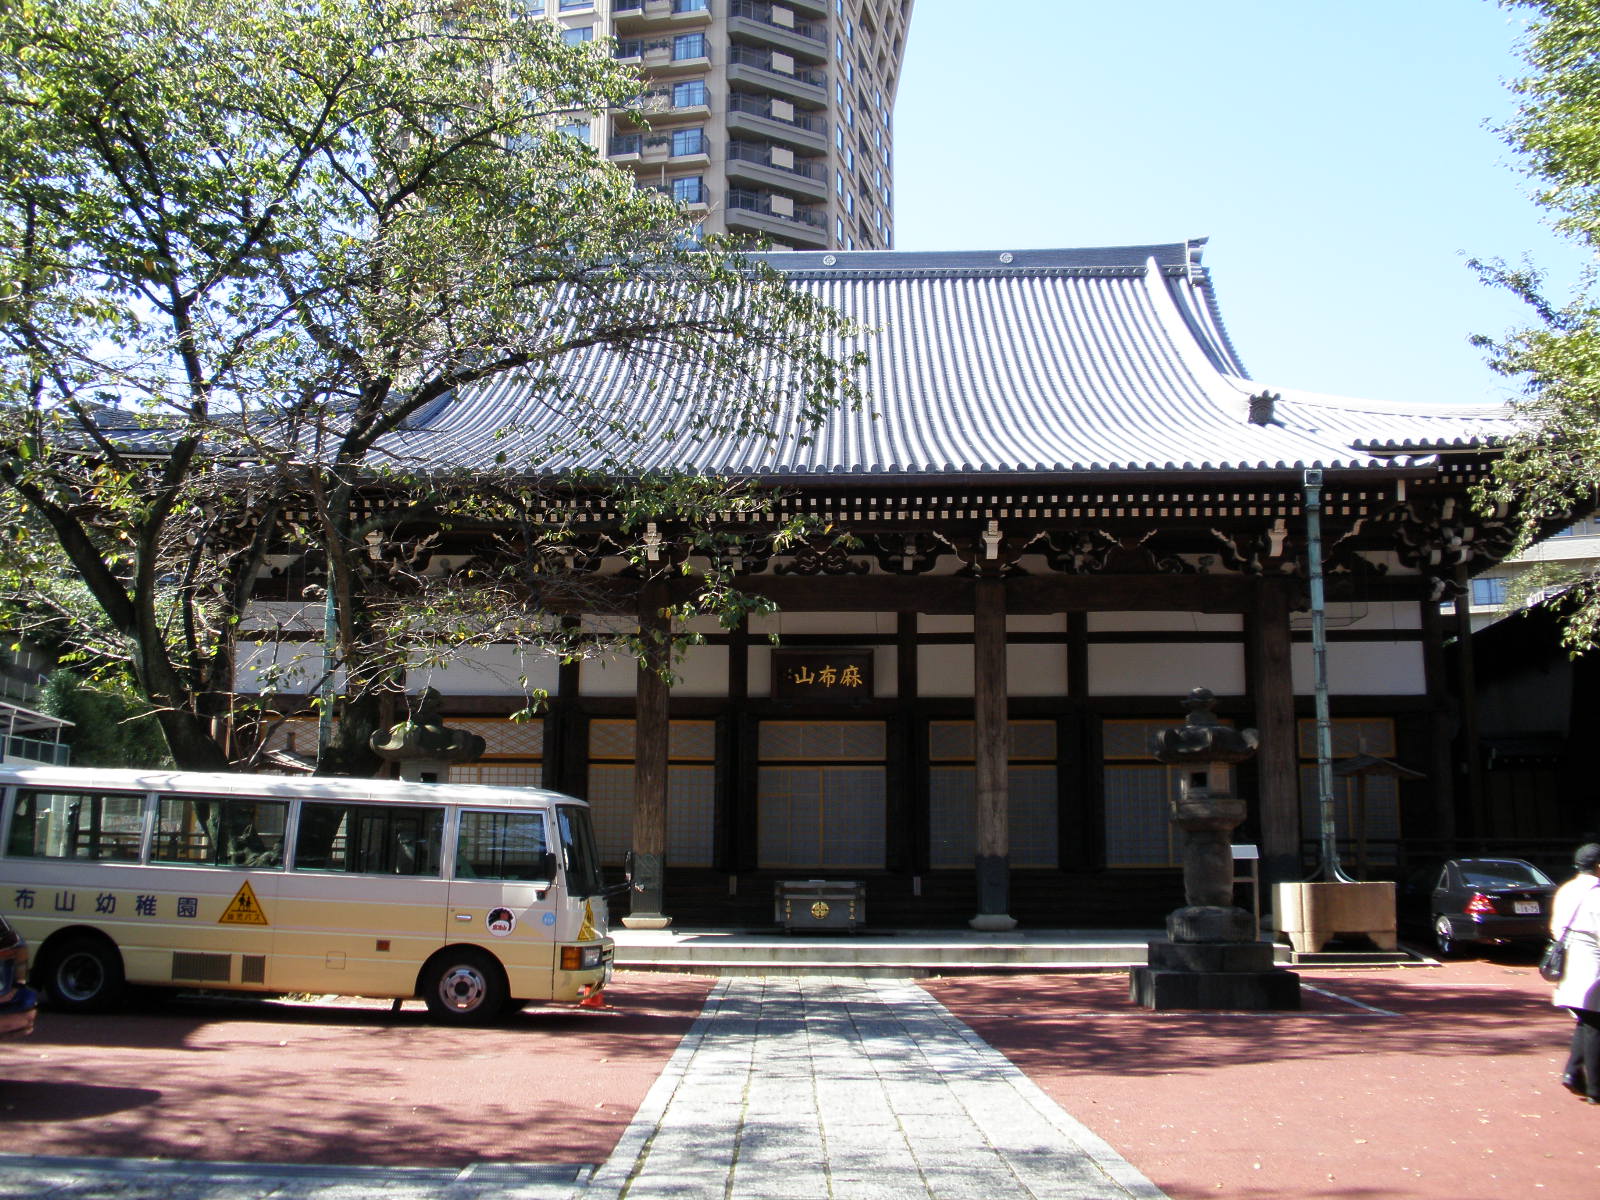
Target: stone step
{"type": "Point", "coordinates": [916, 955]}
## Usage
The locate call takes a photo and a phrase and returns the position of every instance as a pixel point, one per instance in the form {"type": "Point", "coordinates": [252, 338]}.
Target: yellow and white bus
{"type": "Point", "coordinates": [477, 899]}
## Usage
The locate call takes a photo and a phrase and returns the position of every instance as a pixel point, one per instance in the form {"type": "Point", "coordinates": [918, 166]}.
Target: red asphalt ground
{"type": "Point", "coordinates": [343, 1082]}
{"type": "Point", "coordinates": [1414, 1083]}
{"type": "Point", "coordinates": [1393, 1084]}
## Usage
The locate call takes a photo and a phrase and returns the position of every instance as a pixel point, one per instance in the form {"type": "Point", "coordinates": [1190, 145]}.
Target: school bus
{"type": "Point", "coordinates": [477, 899]}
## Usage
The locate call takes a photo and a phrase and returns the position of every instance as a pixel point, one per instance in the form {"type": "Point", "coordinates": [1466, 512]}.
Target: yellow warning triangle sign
{"type": "Point", "coordinates": [243, 909]}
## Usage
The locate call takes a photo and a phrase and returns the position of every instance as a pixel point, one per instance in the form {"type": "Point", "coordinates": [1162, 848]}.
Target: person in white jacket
{"type": "Point", "coordinates": [1576, 911]}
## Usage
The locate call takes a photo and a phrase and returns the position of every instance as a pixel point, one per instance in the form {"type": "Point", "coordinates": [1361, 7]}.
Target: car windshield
{"type": "Point", "coordinates": [1502, 874]}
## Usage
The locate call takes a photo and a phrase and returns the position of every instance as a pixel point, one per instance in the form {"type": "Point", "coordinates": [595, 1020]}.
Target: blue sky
{"type": "Point", "coordinates": [1338, 154]}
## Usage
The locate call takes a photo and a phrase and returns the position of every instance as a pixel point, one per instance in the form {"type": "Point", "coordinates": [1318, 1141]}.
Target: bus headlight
{"type": "Point", "coordinates": [581, 958]}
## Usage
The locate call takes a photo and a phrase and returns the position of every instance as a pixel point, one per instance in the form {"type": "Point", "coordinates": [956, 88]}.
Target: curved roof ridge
{"type": "Point", "coordinates": [1406, 408]}
{"type": "Point", "coordinates": [1178, 255]}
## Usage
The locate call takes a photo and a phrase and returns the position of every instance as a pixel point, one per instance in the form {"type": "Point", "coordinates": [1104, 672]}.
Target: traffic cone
{"type": "Point", "coordinates": [593, 998]}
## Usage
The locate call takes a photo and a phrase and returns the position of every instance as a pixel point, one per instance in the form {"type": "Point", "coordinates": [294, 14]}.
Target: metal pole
{"type": "Point", "coordinates": [1328, 867]}
{"type": "Point", "coordinates": [330, 655]}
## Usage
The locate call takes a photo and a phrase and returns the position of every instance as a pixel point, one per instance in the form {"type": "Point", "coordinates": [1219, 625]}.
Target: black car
{"type": "Point", "coordinates": [1489, 902]}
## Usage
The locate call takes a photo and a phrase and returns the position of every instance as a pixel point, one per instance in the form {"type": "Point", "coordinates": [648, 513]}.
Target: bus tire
{"type": "Point", "coordinates": [464, 986]}
{"type": "Point", "coordinates": [83, 973]}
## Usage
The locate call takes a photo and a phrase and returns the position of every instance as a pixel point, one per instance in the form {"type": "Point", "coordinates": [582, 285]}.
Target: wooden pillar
{"type": "Point", "coordinates": [1468, 752]}
{"type": "Point", "coordinates": [992, 754]}
{"type": "Point", "coordinates": [1441, 755]}
{"type": "Point", "coordinates": [1278, 759]}
{"type": "Point", "coordinates": [651, 715]}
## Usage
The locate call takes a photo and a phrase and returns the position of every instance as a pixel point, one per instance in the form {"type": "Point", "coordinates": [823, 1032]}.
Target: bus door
{"type": "Point", "coordinates": [503, 895]}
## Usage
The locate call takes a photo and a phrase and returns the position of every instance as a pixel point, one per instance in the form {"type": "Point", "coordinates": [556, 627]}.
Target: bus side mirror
{"type": "Point", "coordinates": [547, 866]}
{"type": "Point", "coordinates": [626, 886]}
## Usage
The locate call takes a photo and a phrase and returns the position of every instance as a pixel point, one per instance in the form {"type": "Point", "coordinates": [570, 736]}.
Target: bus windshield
{"type": "Point", "coordinates": [578, 851]}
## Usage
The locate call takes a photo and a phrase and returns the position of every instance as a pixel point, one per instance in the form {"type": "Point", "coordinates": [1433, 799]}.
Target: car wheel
{"type": "Point", "coordinates": [83, 974]}
{"type": "Point", "coordinates": [464, 987]}
{"type": "Point", "coordinates": [1444, 938]}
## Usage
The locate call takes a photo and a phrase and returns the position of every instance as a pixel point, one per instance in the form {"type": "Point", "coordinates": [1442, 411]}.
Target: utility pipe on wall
{"type": "Point", "coordinates": [1328, 868]}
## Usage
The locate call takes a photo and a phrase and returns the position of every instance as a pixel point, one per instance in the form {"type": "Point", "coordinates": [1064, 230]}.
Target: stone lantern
{"type": "Point", "coordinates": [1211, 958]}
{"type": "Point", "coordinates": [422, 746]}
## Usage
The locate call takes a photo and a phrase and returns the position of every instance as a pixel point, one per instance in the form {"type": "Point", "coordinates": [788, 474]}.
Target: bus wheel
{"type": "Point", "coordinates": [83, 974]}
{"type": "Point", "coordinates": [464, 986]}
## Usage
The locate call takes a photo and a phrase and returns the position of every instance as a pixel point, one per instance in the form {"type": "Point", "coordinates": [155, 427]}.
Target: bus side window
{"type": "Point", "coordinates": [503, 845]}
{"type": "Point", "coordinates": [369, 839]}
{"type": "Point", "coordinates": [78, 825]}
{"type": "Point", "coordinates": [201, 831]}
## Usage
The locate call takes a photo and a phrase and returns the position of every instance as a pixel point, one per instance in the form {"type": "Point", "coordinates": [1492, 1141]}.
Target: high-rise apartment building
{"type": "Point", "coordinates": [774, 119]}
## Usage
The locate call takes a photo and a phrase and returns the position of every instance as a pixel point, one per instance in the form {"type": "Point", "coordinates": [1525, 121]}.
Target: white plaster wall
{"type": "Point", "coordinates": [1364, 668]}
{"type": "Point", "coordinates": [1036, 670]}
{"type": "Point", "coordinates": [1043, 623]}
{"type": "Point", "coordinates": [1166, 669]}
{"type": "Point", "coordinates": [886, 669]}
{"type": "Point", "coordinates": [1384, 614]}
{"type": "Point", "coordinates": [302, 662]}
{"type": "Point", "coordinates": [488, 671]}
{"type": "Point", "coordinates": [590, 623]}
{"type": "Point", "coordinates": [945, 670]}
{"type": "Point", "coordinates": [943, 623]}
{"type": "Point", "coordinates": [1166, 622]}
{"type": "Point", "coordinates": [822, 622]}
{"type": "Point", "coordinates": [758, 671]}
{"type": "Point", "coordinates": [289, 615]}
{"type": "Point", "coordinates": [609, 675]}
{"type": "Point", "coordinates": [703, 671]}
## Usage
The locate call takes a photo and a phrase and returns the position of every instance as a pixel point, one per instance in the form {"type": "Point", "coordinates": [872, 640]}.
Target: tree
{"type": "Point", "coordinates": [108, 728]}
{"type": "Point", "coordinates": [1550, 469]}
{"type": "Point", "coordinates": [241, 246]}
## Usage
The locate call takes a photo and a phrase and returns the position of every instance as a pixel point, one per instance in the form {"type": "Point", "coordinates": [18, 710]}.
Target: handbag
{"type": "Point", "coordinates": [1553, 962]}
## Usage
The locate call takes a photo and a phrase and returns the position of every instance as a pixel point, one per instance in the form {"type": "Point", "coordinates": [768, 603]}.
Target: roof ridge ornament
{"type": "Point", "coordinates": [1263, 408]}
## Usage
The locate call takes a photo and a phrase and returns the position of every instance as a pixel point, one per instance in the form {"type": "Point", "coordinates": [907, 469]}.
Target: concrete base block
{"type": "Point", "coordinates": [993, 923]}
{"type": "Point", "coordinates": [1310, 915]}
{"type": "Point", "coordinates": [646, 921]}
{"type": "Point", "coordinates": [1163, 991]}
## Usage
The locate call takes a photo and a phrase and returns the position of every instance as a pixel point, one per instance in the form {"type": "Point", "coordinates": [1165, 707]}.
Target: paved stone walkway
{"type": "Point", "coordinates": [784, 1089]}
{"type": "Point", "coordinates": [850, 1089]}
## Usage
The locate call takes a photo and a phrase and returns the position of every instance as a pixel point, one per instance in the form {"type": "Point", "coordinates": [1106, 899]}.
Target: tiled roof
{"type": "Point", "coordinates": [1025, 363]}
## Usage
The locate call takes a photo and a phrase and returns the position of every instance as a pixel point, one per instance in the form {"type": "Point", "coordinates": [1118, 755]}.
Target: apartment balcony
{"type": "Point", "coordinates": [668, 56]}
{"type": "Point", "coordinates": [654, 150]}
{"type": "Point", "coordinates": [763, 118]}
{"type": "Point", "coordinates": [767, 167]}
{"type": "Point", "coordinates": [812, 8]}
{"type": "Point", "coordinates": [665, 104]}
{"type": "Point", "coordinates": [776, 216]}
{"type": "Point", "coordinates": [692, 194]}
{"type": "Point", "coordinates": [660, 14]}
{"type": "Point", "coordinates": [779, 74]}
{"type": "Point", "coordinates": [750, 21]}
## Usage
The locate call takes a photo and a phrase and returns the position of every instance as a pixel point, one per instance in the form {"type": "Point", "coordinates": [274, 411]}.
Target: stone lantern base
{"type": "Point", "coordinates": [1213, 975]}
